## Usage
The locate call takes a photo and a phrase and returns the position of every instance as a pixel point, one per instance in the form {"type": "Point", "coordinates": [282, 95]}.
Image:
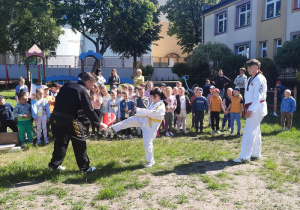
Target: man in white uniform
{"type": "Point", "coordinates": [255, 110]}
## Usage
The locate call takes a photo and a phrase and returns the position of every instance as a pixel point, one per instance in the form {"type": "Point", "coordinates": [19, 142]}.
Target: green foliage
{"type": "Point", "coordinates": [181, 69]}
{"type": "Point", "coordinates": [209, 52]}
{"type": "Point", "coordinates": [298, 76]}
{"type": "Point", "coordinates": [288, 56]}
{"type": "Point", "coordinates": [231, 65]}
{"type": "Point", "coordinates": [270, 70]}
{"type": "Point", "coordinates": [24, 23]}
{"type": "Point", "coordinates": [185, 18]}
{"type": "Point", "coordinates": [147, 70]}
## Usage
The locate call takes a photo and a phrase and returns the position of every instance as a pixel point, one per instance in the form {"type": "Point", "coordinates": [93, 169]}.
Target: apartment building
{"type": "Point", "coordinates": [253, 28]}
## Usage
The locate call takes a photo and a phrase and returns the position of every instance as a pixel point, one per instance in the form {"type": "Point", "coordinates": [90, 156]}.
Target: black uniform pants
{"type": "Point", "coordinates": [8, 123]}
{"type": "Point", "coordinates": [215, 119]}
{"type": "Point", "coordinates": [199, 117]}
{"type": "Point", "coordinates": [64, 130]}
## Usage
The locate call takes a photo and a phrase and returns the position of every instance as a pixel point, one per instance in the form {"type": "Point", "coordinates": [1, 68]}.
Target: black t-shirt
{"type": "Point", "coordinates": [6, 112]}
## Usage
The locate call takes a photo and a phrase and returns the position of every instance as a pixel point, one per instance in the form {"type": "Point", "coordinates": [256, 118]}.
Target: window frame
{"type": "Point", "coordinates": [264, 49]}
{"type": "Point", "coordinates": [274, 2]}
{"type": "Point", "coordinates": [224, 20]}
{"type": "Point", "coordinates": [216, 21]}
{"type": "Point", "coordinates": [243, 44]}
{"type": "Point", "coordinates": [246, 14]}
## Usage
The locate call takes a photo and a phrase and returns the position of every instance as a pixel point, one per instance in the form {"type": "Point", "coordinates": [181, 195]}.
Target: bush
{"type": "Point", "coordinates": [147, 70]}
{"type": "Point", "coordinates": [181, 69]}
{"type": "Point", "coordinates": [231, 65]}
{"type": "Point", "coordinates": [270, 70]}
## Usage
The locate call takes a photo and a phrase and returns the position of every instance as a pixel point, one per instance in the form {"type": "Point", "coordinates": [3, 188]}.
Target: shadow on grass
{"type": "Point", "coordinates": [196, 168]}
{"type": "Point", "coordinates": [23, 177]}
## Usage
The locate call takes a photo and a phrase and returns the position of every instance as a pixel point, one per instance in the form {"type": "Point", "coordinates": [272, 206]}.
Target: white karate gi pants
{"type": "Point", "coordinates": [149, 134]}
{"type": "Point", "coordinates": [251, 141]}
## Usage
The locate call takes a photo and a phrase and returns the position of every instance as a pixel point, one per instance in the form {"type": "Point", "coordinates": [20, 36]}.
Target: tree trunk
{"type": "Point", "coordinates": [95, 65]}
{"type": "Point", "coordinates": [135, 66]}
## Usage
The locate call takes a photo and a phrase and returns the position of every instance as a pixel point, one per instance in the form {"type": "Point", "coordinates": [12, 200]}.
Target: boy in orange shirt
{"type": "Point", "coordinates": [215, 107]}
{"type": "Point", "coordinates": [236, 110]}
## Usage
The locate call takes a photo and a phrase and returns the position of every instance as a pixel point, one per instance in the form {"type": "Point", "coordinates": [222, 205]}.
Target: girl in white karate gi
{"type": "Point", "coordinates": [149, 120]}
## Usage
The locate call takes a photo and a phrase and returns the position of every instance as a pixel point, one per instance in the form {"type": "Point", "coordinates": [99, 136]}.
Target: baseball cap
{"type": "Point", "coordinates": [199, 90]}
{"type": "Point", "coordinates": [237, 89]}
{"type": "Point", "coordinates": [212, 87]}
{"type": "Point", "coordinates": [217, 90]}
{"type": "Point", "coordinates": [55, 85]}
{"type": "Point", "coordinates": [114, 86]}
{"type": "Point", "coordinates": [1, 97]}
{"type": "Point", "coordinates": [162, 84]}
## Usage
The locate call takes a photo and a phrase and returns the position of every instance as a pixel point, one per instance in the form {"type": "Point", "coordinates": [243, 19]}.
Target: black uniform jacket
{"type": "Point", "coordinates": [73, 97]}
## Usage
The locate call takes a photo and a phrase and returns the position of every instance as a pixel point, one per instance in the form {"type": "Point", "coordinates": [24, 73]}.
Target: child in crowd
{"type": "Point", "coordinates": [206, 88]}
{"type": "Point", "coordinates": [287, 108]}
{"type": "Point", "coordinates": [50, 99]}
{"type": "Point", "coordinates": [131, 94]}
{"type": "Point", "coordinates": [124, 88]}
{"type": "Point", "coordinates": [192, 100]}
{"type": "Point", "coordinates": [113, 106]}
{"type": "Point", "coordinates": [119, 95]}
{"type": "Point", "coordinates": [105, 98]}
{"type": "Point", "coordinates": [139, 78]}
{"type": "Point", "coordinates": [199, 105]}
{"type": "Point", "coordinates": [175, 93]}
{"type": "Point", "coordinates": [215, 108]}
{"type": "Point", "coordinates": [96, 101]}
{"type": "Point", "coordinates": [183, 108]}
{"type": "Point", "coordinates": [22, 111]}
{"type": "Point", "coordinates": [7, 117]}
{"type": "Point", "coordinates": [236, 110]}
{"type": "Point", "coordinates": [54, 89]}
{"type": "Point", "coordinates": [226, 102]}
{"type": "Point", "coordinates": [114, 88]}
{"type": "Point", "coordinates": [20, 87]}
{"type": "Point", "coordinates": [162, 86]}
{"type": "Point", "coordinates": [126, 110]}
{"type": "Point", "coordinates": [149, 88]}
{"type": "Point", "coordinates": [171, 106]}
{"type": "Point", "coordinates": [209, 96]}
{"type": "Point", "coordinates": [41, 114]}
{"type": "Point", "coordinates": [141, 102]}
{"type": "Point", "coordinates": [178, 84]}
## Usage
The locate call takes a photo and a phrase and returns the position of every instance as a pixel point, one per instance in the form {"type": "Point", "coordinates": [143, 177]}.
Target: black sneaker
{"type": "Point", "coordinates": [90, 170]}
{"type": "Point", "coordinates": [115, 136]}
{"type": "Point", "coordinates": [238, 134]}
{"type": "Point", "coordinates": [201, 132]}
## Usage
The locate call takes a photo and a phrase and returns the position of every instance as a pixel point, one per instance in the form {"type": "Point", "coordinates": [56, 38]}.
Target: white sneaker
{"type": "Point", "coordinates": [240, 160]}
{"type": "Point", "coordinates": [178, 131]}
{"type": "Point", "coordinates": [171, 134]}
{"type": "Point", "coordinates": [61, 168]}
{"type": "Point", "coordinates": [22, 145]}
{"type": "Point", "coordinates": [130, 136]}
{"type": "Point", "coordinates": [123, 136]}
{"type": "Point", "coordinates": [212, 131]}
{"type": "Point", "coordinates": [167, 134]}
{"type": "Point", "coordinates": [38, 142]}
{"type": "Point", "coordinates": [149, 164]}
{"type": "Point", "coordinates": [218, 131]}
{"type": "Point", "coordinates": [185, 132]}
{"type": "Point", "coordinates": [90, 170]}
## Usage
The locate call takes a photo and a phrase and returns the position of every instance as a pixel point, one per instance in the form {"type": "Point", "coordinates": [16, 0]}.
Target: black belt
{"type": "Point", "coordinates": [60, 114]}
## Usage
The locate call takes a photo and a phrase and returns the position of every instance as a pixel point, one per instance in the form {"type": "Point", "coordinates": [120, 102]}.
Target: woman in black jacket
{"type": "Point", "coordinates": [183, 108]}
{"type": "Point", "coordinates": [114, 79]}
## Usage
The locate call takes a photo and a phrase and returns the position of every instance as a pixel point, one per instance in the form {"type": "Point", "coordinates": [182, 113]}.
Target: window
{"type": "Point", "coordinates": [273, 8]}
{"type": "Point", "coordinates": [278, 44]}
{"type": "Point", "coordinates": [264, 49]}
{"type": "Point", "coordinates": [244, 15]}
{"type": "Point", "coordinates": [221, 21]}
{"type": "Point", "coordinates": [52, 52]}
{"type": "Point", "coordinates": [296, 36]}
{"type": "Point", "coordinates": [243, 50]}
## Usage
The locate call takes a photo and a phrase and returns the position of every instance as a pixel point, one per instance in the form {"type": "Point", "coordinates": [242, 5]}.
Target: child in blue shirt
{"type": "Point", "coordinates": [199, 105]}
{"type": "Point", "coordinates": [22, 111]}
{"type": "Point", "coordinates": [6, 116]}
{"type": "Point", "coordinates": [287, 108]}
{"type": "Point", "coordinates": [126, 110]}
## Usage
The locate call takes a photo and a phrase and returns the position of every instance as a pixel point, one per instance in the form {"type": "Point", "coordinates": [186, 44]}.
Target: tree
{"type": "Point", "coordinates": [142, 29]}
{"type": "Point", "coordinates": [269, 70]}
{"type": "Point", "coordinates": [232, 64]}
{"type": "Point", "coordinates": [185, 18]}
{"type": "Point", "coordinates": [106, 20]}
{"type": "Point", "coordinates": [288, 56]}
{"type": "Point", "coordinates": [209, 53]}
{"type": "Point", "coordinates": [24, 23]}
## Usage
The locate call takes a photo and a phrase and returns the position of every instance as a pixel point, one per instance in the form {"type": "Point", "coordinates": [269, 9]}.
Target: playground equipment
{"type": "Point", "coordinates": [186, 77]}
{"type": "Point", "coordinates": [89, 53]}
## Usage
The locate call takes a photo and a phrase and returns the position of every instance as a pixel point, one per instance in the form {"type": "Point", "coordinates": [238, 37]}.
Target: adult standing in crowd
{"type": "Point", "coordinates": [255, 110]}
{"type": "Point", "coordinates": [240, 81]}
{"type": "Point", "coordinates": [114, 79]}
{"type": "Point", "coordinates": [220, 82]}
{"type": "Point", "coordinates": [101, 79]}
{"type": "Point", "coordinates": [65, 125]}
{"type": "Point", "coordinates": [139, 78]}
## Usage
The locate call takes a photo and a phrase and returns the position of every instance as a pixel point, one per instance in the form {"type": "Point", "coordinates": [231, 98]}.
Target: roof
{"type": "Point", "coordinates": [217, 6]}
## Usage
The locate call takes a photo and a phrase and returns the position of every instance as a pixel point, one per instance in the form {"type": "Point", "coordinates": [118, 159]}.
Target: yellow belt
{"type": "Point", "coordinates": [149, 119]}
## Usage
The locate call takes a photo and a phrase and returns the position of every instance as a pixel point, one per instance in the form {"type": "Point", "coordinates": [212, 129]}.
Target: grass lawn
{"type": "Point", "coordinates": [191, 172]}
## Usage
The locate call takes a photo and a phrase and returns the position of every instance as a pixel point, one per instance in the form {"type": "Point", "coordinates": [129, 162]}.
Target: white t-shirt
{"type": "Point", "coordinates": [182, 102]}
{"type": "Point", "coordinates": [39, 108]}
